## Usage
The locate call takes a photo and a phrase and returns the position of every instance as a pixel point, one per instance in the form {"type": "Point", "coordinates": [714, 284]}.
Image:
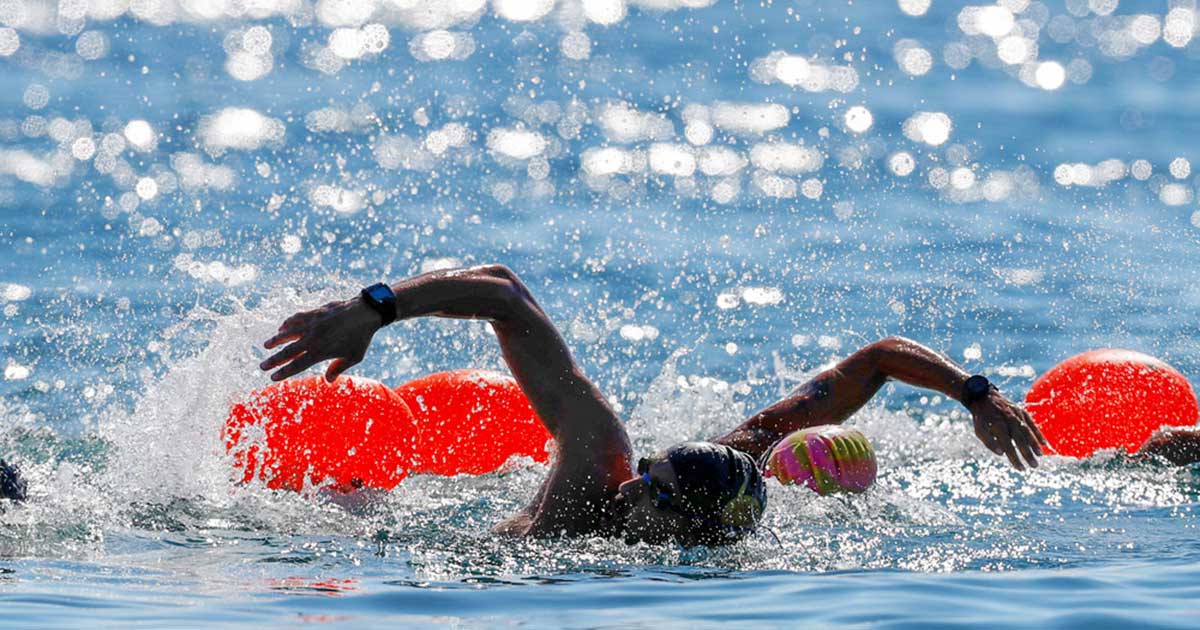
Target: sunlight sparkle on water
{"type": "Point", "coordinates": [786, 157]}
{"type": "Point", "coordinates": [1179, 27]}
{"type": "Point", "coordinates": [749, 118]}
{"type": "Point", "coordinates": [720, 161]}
{"type": "Point", "coordinates": [146, 188]}
{"type": "Point", "coordinates": [576, 45]}
{"type": "Point", "coordinates": [518, 144]}
{"type": "Point", "coordinates": [624, 123]}
{"type": "Point", "coordinates": [1050, 75]}
{"type": "Point", "coordinates": [523, 10]}
{"type": "Point", "coordinates": [604, 12]}
{"type": "Point", "coordinates": [1180, 168]}
{"type": "Point", "coordinates": [808, 74]}
{"type": "Point", "coordinates": [672, 159]}
{"type": "Point", "coordinates": [859, 119]}
{"type": "Point", "coordinates": [140, 135]}
{"type": "Point", "coordinates": [440, 44]}
{"type": "Point", "coordinates": [10, 41]}
{"type": "Point", "coordinates": [912, 58]}
{"type": "Point", "coordinates": [932, 128]}
{"type": "Point", "coordinates": [902, 163]}
{"type": "Point", "coordinates": [915, 8]}
{"type": "Point", "coordinates": [16, 372]}
{"type": "Point", "coordinates": [239, 128]}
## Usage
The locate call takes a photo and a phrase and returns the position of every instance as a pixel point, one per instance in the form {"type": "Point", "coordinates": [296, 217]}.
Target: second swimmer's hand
{"type": "Point", "coordinates": [1007, 429]}
{"type": "Point", "coordinates": [341, 331]}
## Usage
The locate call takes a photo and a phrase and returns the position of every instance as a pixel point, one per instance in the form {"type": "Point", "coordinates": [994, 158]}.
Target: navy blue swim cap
{"type": "Point", "coordinates": [722, 487]}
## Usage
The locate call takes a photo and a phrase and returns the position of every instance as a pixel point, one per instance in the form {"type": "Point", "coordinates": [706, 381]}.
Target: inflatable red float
{"type": "Point", "coordinates": [472, 421]}
{"type": "Point", "coordinates": [354, 432]}
{"type": "Point", "coordinates": [1109, 399]}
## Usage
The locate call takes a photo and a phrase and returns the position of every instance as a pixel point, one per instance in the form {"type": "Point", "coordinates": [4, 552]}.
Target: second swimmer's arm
{"type": "Point", "coordinates": [835, 394]}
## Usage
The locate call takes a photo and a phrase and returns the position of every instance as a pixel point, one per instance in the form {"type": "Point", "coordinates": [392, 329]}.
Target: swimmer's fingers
{"type": "Point", "coordinates": [297, 320]}
{"type": "Point", "coordinates": [986, 437]}
{"type": "Point", "coordinates": [1037, 431]}
{"type": "Point", "coordinates": [1029, 432]}
{"type": "Point", "coordinates": [1025, 442]}
{"type": "Point", "coordinates": [295, 367]}
{"type": "Point", "coordinates": [337, 367]}
{"type": "Point", "coordinates": [283, 336]}
{"type": "Point", "coordinates": [1007, 444]}
{"type": "Point", "coordinates": [283, 356]}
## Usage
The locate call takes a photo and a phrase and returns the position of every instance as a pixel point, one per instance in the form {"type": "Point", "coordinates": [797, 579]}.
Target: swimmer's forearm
{"type": "Point", "coordinates": [488, 292]}
{"type": "Point", "coordinates": [910, 362]}
{"type": "Point", "coordinates": [837, 393]}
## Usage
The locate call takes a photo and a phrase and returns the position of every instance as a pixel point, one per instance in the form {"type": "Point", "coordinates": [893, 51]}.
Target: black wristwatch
{"type": "Point", "coordinates": [381, 298]}
{"type": "Point", "coordinates": [975, 389]}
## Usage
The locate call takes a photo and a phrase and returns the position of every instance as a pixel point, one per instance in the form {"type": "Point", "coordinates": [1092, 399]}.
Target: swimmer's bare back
{"type": "Point", "coordinates": [593, 455]}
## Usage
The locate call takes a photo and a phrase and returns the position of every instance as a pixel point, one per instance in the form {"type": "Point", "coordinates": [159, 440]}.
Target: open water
{"type": "Point", "coordinates": [712, 199]}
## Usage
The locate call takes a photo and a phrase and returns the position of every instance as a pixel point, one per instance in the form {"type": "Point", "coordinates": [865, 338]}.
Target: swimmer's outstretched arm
{"type": "Point", "coordinates": [594, 454]}
{"type": "Point", "coordinates": [835, 394]}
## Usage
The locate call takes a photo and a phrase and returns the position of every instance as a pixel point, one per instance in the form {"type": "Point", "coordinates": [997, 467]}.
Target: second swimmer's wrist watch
{"type": "Point", "coordinates": [381, 298]}
{"type": "Point", "coordinates": [975, 389]}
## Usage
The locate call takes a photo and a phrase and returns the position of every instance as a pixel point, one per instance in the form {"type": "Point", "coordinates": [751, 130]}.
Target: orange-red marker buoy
{"type": "Point", "coordinates": [351, 433]}
{"type": "Point", "coordinates": [1109, 399]}
{"type": "Point", "coordinates": [472, 421]}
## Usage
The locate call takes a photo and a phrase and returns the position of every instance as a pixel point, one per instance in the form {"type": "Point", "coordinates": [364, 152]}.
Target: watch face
{"type": "Point", "coordinates": [977, 385]}
{"type": "Point", "coordinates": [380, 293]}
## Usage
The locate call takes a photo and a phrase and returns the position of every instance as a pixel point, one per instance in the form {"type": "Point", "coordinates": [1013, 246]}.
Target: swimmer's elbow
{"type": "Point", "coordinates": [516, 295]}
{"type": "Point", "coordinates": [891, 344]}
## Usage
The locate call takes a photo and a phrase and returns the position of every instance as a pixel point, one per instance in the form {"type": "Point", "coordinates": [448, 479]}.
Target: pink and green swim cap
{"type": "Point", "coordinates": [828, 459]}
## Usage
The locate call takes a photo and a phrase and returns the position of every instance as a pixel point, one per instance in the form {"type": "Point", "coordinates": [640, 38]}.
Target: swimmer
{"type": "Point", "coordinates": [12, 486]}
{"type": "Point", "coordinates": [696, 493]}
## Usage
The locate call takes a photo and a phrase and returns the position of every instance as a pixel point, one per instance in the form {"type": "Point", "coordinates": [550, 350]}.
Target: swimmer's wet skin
{"type": "Point", "coordinates": [12, 486]}
{"type": "Point", "coordinates": [696, 493]}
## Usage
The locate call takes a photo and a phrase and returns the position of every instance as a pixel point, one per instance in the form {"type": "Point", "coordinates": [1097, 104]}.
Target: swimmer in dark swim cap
{"type": "Point", "coordinates": [12, 486]}
{"type": "Point", "coordinates": [695, 493]}
{"type": "Point", "coordinates": [715, 491]}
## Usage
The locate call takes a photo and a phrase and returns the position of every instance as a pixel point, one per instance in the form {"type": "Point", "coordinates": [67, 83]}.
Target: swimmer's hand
{"type": "Point", "coordinates": [1005, 429]}
{"type": "Point", "coordinates": [341, 331]}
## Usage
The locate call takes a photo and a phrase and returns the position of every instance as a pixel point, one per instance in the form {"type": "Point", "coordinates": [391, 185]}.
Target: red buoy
{"type": "Point", "coordinates": [354, 432]}
{"type": "Point", "coordinates": [472, 421]}
{"type": "Point", "coordinates": [1109, 399]}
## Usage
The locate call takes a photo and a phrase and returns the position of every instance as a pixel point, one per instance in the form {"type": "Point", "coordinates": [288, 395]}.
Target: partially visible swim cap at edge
{"type": "Point", "coordinates": [12, 486]}
{"type": "Point", "coordinates": [722, 486]}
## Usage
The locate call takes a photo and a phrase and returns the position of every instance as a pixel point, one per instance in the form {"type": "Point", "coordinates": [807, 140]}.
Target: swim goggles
{"type": "Point", "coordinates": [661, 498]}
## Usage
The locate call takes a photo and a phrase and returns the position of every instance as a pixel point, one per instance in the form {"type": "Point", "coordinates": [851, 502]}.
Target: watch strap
{"type": "Point", "coordinates": [380, 297]}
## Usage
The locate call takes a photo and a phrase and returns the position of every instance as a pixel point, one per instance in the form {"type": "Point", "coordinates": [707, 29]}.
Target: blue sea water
{"type": "Point", "coordinates": [712, 199]}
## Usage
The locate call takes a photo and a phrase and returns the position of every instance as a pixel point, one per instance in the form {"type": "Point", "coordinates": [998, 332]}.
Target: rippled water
{"type": "Point", "coordinates": [713, 200]}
